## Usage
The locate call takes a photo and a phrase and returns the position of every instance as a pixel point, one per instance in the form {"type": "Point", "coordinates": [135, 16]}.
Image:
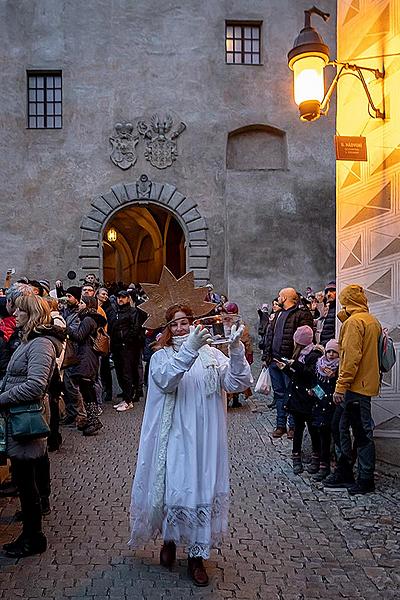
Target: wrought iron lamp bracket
{"type": "Point", "coordinates": [348, 69]}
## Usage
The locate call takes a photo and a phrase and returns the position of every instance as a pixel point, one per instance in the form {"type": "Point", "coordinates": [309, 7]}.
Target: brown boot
{"type": "Point", "coordinates": [279, 432]}
{"type": "Point", "coordinates": [168, 554]}
{"type": "Point", "coordinates": [197, 572]}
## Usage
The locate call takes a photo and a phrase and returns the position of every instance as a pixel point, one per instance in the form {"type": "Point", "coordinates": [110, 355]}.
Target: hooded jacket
{"type": "Point", "coordinates": [359, 336]}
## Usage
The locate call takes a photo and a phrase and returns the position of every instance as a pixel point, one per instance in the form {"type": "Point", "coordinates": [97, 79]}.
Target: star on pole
{"type": "Point", "coordinates": [170, 291]}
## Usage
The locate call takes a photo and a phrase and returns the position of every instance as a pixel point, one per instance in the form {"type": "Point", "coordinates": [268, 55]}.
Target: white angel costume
{"type": "Point", "coordinates": [181, 485]}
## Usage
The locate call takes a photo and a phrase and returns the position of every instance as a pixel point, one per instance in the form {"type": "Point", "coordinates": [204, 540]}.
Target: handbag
{"type": "Point", "coordinates": [27, 422]}
{"type": "Point", "coordinates": [264, 384]}
{"type": "Point", "coordinates": [70, 357]}
{"type": "Point", "coordinates": [101, 342]}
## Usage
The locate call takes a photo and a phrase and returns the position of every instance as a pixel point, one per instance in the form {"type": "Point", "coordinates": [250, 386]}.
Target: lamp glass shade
{"type": "Point", "coordinates": [112, 235]}
{"type": "Point", "coordinates": [309, 79]}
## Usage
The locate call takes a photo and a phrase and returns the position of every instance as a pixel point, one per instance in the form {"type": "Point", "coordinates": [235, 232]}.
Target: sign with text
{"type": "Point", "coordinates": [350, 147]}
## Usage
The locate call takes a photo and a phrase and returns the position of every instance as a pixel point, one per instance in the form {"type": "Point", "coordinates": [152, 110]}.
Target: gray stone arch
{"type": "Point", "coordinates": [144, 191]}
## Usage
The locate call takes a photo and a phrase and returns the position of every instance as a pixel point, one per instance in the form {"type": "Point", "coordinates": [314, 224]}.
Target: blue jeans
{"type": "Point", "coordinates": [280, 384]}
{"type": "Point", "coordinates": [357, 415]}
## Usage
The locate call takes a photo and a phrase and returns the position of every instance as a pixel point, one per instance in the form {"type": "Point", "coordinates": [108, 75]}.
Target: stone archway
{"type": "Point", "coordinates": [145, 191]}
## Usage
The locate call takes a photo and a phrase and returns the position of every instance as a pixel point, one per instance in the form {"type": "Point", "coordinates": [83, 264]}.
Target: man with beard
{"type": "Point", "coordinates": [74, 405]}
{"type": "Point", "coordinates": [279, 344]}
{"type": "Point", "coordinates": [126, 335]}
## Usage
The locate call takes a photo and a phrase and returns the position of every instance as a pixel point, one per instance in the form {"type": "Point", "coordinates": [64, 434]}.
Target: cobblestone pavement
{"type": "Point", "coordinates": [288, 538]}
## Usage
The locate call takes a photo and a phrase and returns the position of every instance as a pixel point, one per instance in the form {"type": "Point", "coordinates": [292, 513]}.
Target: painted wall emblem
{"type": "Point", "coordinates": [124, 143]}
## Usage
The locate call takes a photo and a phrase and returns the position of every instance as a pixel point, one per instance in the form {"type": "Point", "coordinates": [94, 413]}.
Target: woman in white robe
{"type": "Point", "coordinates": [181, 485]}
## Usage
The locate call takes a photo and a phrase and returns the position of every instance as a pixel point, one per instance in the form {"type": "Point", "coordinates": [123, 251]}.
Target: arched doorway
{"type": "Point", "coordinates": [138, 241]}
{"type": "Point", "coordinates": [144, 193]}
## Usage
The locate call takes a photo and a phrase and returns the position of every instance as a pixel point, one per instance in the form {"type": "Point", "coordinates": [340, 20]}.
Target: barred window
{"type": "Point", "coordinates": [45, 100]}
{"type": "Point", "coordinates": [242, 43]}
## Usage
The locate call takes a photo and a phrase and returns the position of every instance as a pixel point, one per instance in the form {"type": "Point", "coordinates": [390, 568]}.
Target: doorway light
{"type": "Point", "coordinates": [112, 235]}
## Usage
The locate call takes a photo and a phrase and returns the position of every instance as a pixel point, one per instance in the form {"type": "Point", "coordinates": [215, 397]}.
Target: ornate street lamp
{"type": "Point", "coordinates": [112, 235]}
{"type": "Point", "coordinates": [308, 59]}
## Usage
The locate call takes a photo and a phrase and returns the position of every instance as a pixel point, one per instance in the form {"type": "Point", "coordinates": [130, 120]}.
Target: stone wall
{"type": "Point", "coordinates": [269, 220]}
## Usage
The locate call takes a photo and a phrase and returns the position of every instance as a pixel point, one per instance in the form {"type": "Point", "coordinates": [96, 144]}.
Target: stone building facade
{"type": "Point", "coordinates": [196, 162]}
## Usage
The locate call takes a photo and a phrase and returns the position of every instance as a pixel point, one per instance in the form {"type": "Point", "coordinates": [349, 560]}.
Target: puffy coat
{"type": "Point", "coordinates": [297, 317]}
{"type": "Point", "coordinates": [329, 326]}
{"type": "Point", "coordinates": [323, 408]}
{"type": "Point", "coordinates": [81, 334]}
{"type": "Point", "coordinates": [26, 381]}
{"type": "Point", "coordinates": [358, 339]}
{"type": "Point", "coordinates": [125, 326]}
{"type": "Point", "coordinates": [302, 376]}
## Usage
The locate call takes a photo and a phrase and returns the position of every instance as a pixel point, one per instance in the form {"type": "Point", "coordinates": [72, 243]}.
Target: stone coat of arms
{"type": "Point", "coordinates": [161, 147]}
{"type": "Point", "coordinates": [124, 143]}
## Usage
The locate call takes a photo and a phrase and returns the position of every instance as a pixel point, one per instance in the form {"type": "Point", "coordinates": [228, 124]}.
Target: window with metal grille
{"type": "Point", "coordinates": [44, 100]}
{"type": "Point", "coordinates": [243, 43]}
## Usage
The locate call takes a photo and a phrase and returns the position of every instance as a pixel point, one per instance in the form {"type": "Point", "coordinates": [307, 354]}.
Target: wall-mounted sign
{"type": "Point", "coordinates": [350, 147]}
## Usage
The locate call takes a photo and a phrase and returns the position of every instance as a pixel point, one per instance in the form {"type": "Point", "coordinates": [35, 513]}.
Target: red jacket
{"type": "Point", "coordinates": [7, 326]}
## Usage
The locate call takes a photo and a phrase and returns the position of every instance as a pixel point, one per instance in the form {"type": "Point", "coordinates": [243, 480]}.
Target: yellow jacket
{"type": "Point", "coordinates": [359, 335]}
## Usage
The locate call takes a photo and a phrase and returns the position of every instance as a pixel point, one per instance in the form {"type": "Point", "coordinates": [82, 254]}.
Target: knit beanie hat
{"type": "Point", "coordinates": [303, 335]}
{"type": "Point", "coordinates": [45, 283]}
{"type": "Point", "coordinates": [74, 291]}
{"type": "Point", "coordinates": [330, 286]}
{"type": "Point", "coordinates": [332, 345]}
{"type": "Point", "coordinates": [231, 308]}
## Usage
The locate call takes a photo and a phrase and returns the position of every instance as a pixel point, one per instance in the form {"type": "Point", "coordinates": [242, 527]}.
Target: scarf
{"type": "Point", "coordinates": [323, 363]}
{"type": "Point", "coordinates": [306, 350]}
{"type": "Point", "coordinates": [208, 361]}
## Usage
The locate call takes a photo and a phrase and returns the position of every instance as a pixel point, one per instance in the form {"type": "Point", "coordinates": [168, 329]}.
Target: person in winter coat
{"type": "Point", "coordinates": [85, 372]}
{"type": "Point", "coordinates": [74, 405]}
{"type": "Point", "coordinates": [329, 317]}
{"type": "Point", "coordinates": [299, 404]}
{"type": "Point", "coordinates": [26, 381]}
{"type": "Point", "coordinates": [105, 367]}
{"type": "Point", "coordinates": [126, 336]}
{"type": "Point", "coordinates": [279, 344]}
{"type": "Point", "coordinates": [326, 374]}
{"type": "Point", "coordinates": [358, 380]}
{"type": "Point", "coordinates": [228, 313]}
{"type": "Point", "coordinates": [55, 388]}
{"type": "Point", "coordinates": [263, 322]}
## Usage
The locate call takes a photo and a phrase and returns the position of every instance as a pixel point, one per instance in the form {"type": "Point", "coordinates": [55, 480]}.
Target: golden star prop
{"type": "Point", "coordinates": [170, 291]}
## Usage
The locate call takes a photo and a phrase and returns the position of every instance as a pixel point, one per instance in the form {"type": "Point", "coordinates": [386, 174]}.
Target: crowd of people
{"type": "Point", "coordinates": [323, 383]}
{"type": "Point", "coordinates": [49, 350]}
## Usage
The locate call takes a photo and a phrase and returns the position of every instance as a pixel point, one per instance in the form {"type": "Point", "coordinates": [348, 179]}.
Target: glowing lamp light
{"type": "Point", "coordinates": [112, 235]}
{"type": "Point", "coordinates": [309, 89]}
{"type": "Point", "coordinates": [307, 59]}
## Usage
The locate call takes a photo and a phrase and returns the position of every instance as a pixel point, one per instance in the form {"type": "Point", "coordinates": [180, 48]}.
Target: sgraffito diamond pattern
{"type": "Point", "coordinates": [368, 195]}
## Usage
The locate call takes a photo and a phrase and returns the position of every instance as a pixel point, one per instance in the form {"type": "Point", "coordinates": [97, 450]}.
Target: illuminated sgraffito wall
{"type": "Point", "coordinates": [368, 193]}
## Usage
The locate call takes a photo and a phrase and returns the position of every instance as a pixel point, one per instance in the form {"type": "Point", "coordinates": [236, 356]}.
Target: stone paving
{"type": "Point", "coordinates": [288, 540]}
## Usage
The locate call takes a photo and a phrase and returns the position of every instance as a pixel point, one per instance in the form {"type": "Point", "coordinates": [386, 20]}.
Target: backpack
{"type": "Point", "coordinates": [386, 352]}
{"type": "Point", "coordinates": [101, 342]}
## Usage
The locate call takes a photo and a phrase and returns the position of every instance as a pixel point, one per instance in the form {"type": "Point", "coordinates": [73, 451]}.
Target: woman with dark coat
{"type": "Point", "coordinates": [26, 382]}
{"type": "Point", "coordinates": [85, 372]}
{"type": "Point", "coordinates": [301, 371]}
